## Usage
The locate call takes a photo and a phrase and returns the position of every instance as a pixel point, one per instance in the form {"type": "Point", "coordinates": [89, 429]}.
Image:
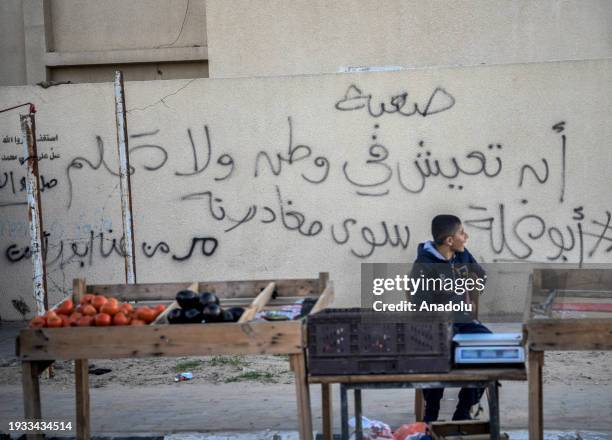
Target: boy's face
{"type": "Point", "coordinates": [458, 240]}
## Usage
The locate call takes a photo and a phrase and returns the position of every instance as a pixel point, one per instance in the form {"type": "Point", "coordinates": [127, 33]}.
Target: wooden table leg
{"type": "Point", "coordinates": [327, 411]}
{"type": "Point", "coordinates": [298, 363]}
{"type": "Point", "coordinates": [31, 394]}
{"type": "Point", "coordinates": [534, 376]}
{"type": "Point", "coordinates": [494, 422]}
{"type": "Point", "coordinates": [81, 370]}
{"type": "Point", "coordinates": [419, 407]}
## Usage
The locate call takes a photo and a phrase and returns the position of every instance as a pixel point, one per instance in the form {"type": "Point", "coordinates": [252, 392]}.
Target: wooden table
{"type": "Point", "coordinates": [464, 377]}
{"type": "Point", "coordinates": [567, 309]}
{"type": "Point", "coordinates": [39, 348]}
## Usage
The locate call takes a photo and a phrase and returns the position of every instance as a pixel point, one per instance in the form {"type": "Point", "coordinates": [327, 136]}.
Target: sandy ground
{"type": "Point", "coordinates": [159, 371]}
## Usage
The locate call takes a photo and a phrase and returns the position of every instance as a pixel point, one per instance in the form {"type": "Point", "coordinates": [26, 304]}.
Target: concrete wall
{"type": "Point", "coordinates": [70, 39]}
{"type": "Point", "coordinates": [286, 37]}
{"type": "Point", "coordinates": [289, 176]}
{"type": "Point", "coordinates": [84, 40]}
{"type": "Point", "coordinates": [89, 25]}
{"type": "Point", "coordinates": [12, 53]}
{"type": "Point", "coordinates": [133, 71]}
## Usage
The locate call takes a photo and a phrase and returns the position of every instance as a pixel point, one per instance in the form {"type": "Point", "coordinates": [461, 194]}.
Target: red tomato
{"type": "Point", "coordinates": [89, 310]}
{"type": "Point", "coordinates": [85, 321]}
{"type": "Point", "coordinates": [74, 319]}
{"type": "Point", "coordinates": [121, 319]}
{"type": "Point", "coordinates": [38, 322]}
{"type": "Point", "coordinates": [65, 320]}
{"type": "Point", "coordinates": [99, 301]}
{"type": "Point", "coordinates": [145, 314]}
{"type": "Point", "coordinates": [126, 308]}
{"type": "Point", "coordinates": [87, 298]}
{"type": "Point", "coordinates": [102, 320]}
{"type": "Point", "coordinates": [54, 321]}
{"type": "Point", "coordinates": [110, 308]}
{"type": "Point", "coordinates": [137, 322]}
{"type": "Point", "coordinates": [50, 314]}
{"type": "Point", "coordinates": [65, 308]}
{"type": "Point", "coordinates": [158, 309]}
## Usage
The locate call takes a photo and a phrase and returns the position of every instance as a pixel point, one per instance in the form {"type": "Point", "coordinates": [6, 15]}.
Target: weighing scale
{"type": "Point", "coordinates": [489, 348]}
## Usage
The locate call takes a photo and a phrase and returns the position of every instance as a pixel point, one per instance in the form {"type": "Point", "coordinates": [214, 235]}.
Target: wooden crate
{"type": "Point", "coordinates": [39, 348]}
{"type": "Point", "coordinates": [567, 309]}
{"type": "Point", "coordinates": [553, 320]}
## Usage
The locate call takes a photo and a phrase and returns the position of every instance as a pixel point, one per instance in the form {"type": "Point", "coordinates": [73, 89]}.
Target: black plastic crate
{"type": "Point", "coordinates": [358, 341]}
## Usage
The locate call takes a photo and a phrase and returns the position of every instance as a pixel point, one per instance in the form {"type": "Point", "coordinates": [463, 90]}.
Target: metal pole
{"type": "Point", "coordinates": [124, 180]}
{"type": "Point", "coordinates": [358, 427]}
{"type": "Point", "coordinates": [28, 129]}
{"type": "Point", "coordinates": [344, 412]}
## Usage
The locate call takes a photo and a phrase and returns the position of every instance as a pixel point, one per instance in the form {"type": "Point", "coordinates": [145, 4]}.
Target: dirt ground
{"type": "Point", "coordinates": [160, 371]}
{"type": "Point", "coordinates": [572, 369]}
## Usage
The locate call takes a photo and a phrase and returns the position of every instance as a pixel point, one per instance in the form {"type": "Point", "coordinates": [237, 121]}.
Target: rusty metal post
{"type": "Point", "coordinates": [28, 129]}
{"type": "Point", "coordinates": [124, 176]}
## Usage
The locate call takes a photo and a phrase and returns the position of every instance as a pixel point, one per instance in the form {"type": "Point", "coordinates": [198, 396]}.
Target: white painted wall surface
{"type": "Point", "coordinates": [89, 25]}
{"type": "Point", "coordinates": [13, 65]}
{"type": "Point", "coordinates": [199, 150]}
{"type": "Point", "coordinates": [289, 37]}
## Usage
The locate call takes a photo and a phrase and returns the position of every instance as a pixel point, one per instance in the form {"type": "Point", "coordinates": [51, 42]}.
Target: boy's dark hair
{"type": "Point", "coordinates": [443, 226]}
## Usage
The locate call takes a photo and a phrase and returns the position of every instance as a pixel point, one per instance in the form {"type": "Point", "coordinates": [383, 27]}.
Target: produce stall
{"type": "Point", "coordinates": [78, 340]}
{"type": "Point", "coordinates": [458, 378]}
{"type": "Point", "coordinates": [361, 349]}
{"type": "Point", "coordinates": [567, 309]}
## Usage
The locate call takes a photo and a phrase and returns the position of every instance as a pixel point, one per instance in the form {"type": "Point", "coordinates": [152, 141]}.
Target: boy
{"type": "Point", "coordinates": [446, 257]}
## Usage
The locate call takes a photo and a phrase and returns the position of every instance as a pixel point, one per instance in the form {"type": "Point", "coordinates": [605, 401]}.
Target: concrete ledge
{"type": "Point", "coordinates": [162, 54]}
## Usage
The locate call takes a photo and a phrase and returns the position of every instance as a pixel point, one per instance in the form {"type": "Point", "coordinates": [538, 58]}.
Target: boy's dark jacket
{"type": "Point", "coordinates": [431, 264]}
{"type": "Point", "coordinates": [427, 253]}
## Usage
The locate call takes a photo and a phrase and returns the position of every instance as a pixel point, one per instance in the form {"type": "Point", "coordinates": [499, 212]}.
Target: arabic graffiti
{"type": "Point", "coordinates": [104, 244]}
{"type": "Point", "coordinates": [283, 212]}
{"type": "Point", "coordinates": [18, 140]}
{"type": "Point", "coordinates": [354, 99]}
{"type": "Point", "coordinates": [519, 234]}
{"type": "Point", "coordinates": [23, 159]}
{"type": "Point", "coordinates": [6, 178]}
{"type": "Point", "coordinates": [80, 162]}
{"type": "Point", "coordinates": [378, 169]}
{"type": "Point", "coordinates": [295, 154]}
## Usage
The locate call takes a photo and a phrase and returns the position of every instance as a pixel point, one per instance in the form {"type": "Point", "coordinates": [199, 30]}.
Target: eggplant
{"type": "Point", "coordinates": [176, 316]}
{"type": "Point", "coordinates": [212, 313]}
{"type": "Point", "coordinates": [307, 306]}
{"type": "Point", "coordinates": [193, 316]}
{"type": "Point", "coordinates": [227, 316]}
{"type": "Point", "coordinates": [236, 312]}
{"type": "Point", "coordinates": [187, 299]}
{"type": "Point", "coordinates": [208, 298]}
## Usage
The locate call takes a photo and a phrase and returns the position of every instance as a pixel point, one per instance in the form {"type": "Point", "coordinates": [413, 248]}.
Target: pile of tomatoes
{"type": "Point", "coordinates": [96, 310]}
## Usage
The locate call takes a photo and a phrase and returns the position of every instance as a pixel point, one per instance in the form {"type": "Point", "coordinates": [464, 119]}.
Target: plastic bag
{"type": "Point", "coordinates": [371, 429]}
{"type": "Point", "coordinates": [413, 431]}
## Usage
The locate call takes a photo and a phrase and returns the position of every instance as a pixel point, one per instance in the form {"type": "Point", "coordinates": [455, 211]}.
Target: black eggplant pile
{"type": "Point", "coordinates": [196, 308]}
